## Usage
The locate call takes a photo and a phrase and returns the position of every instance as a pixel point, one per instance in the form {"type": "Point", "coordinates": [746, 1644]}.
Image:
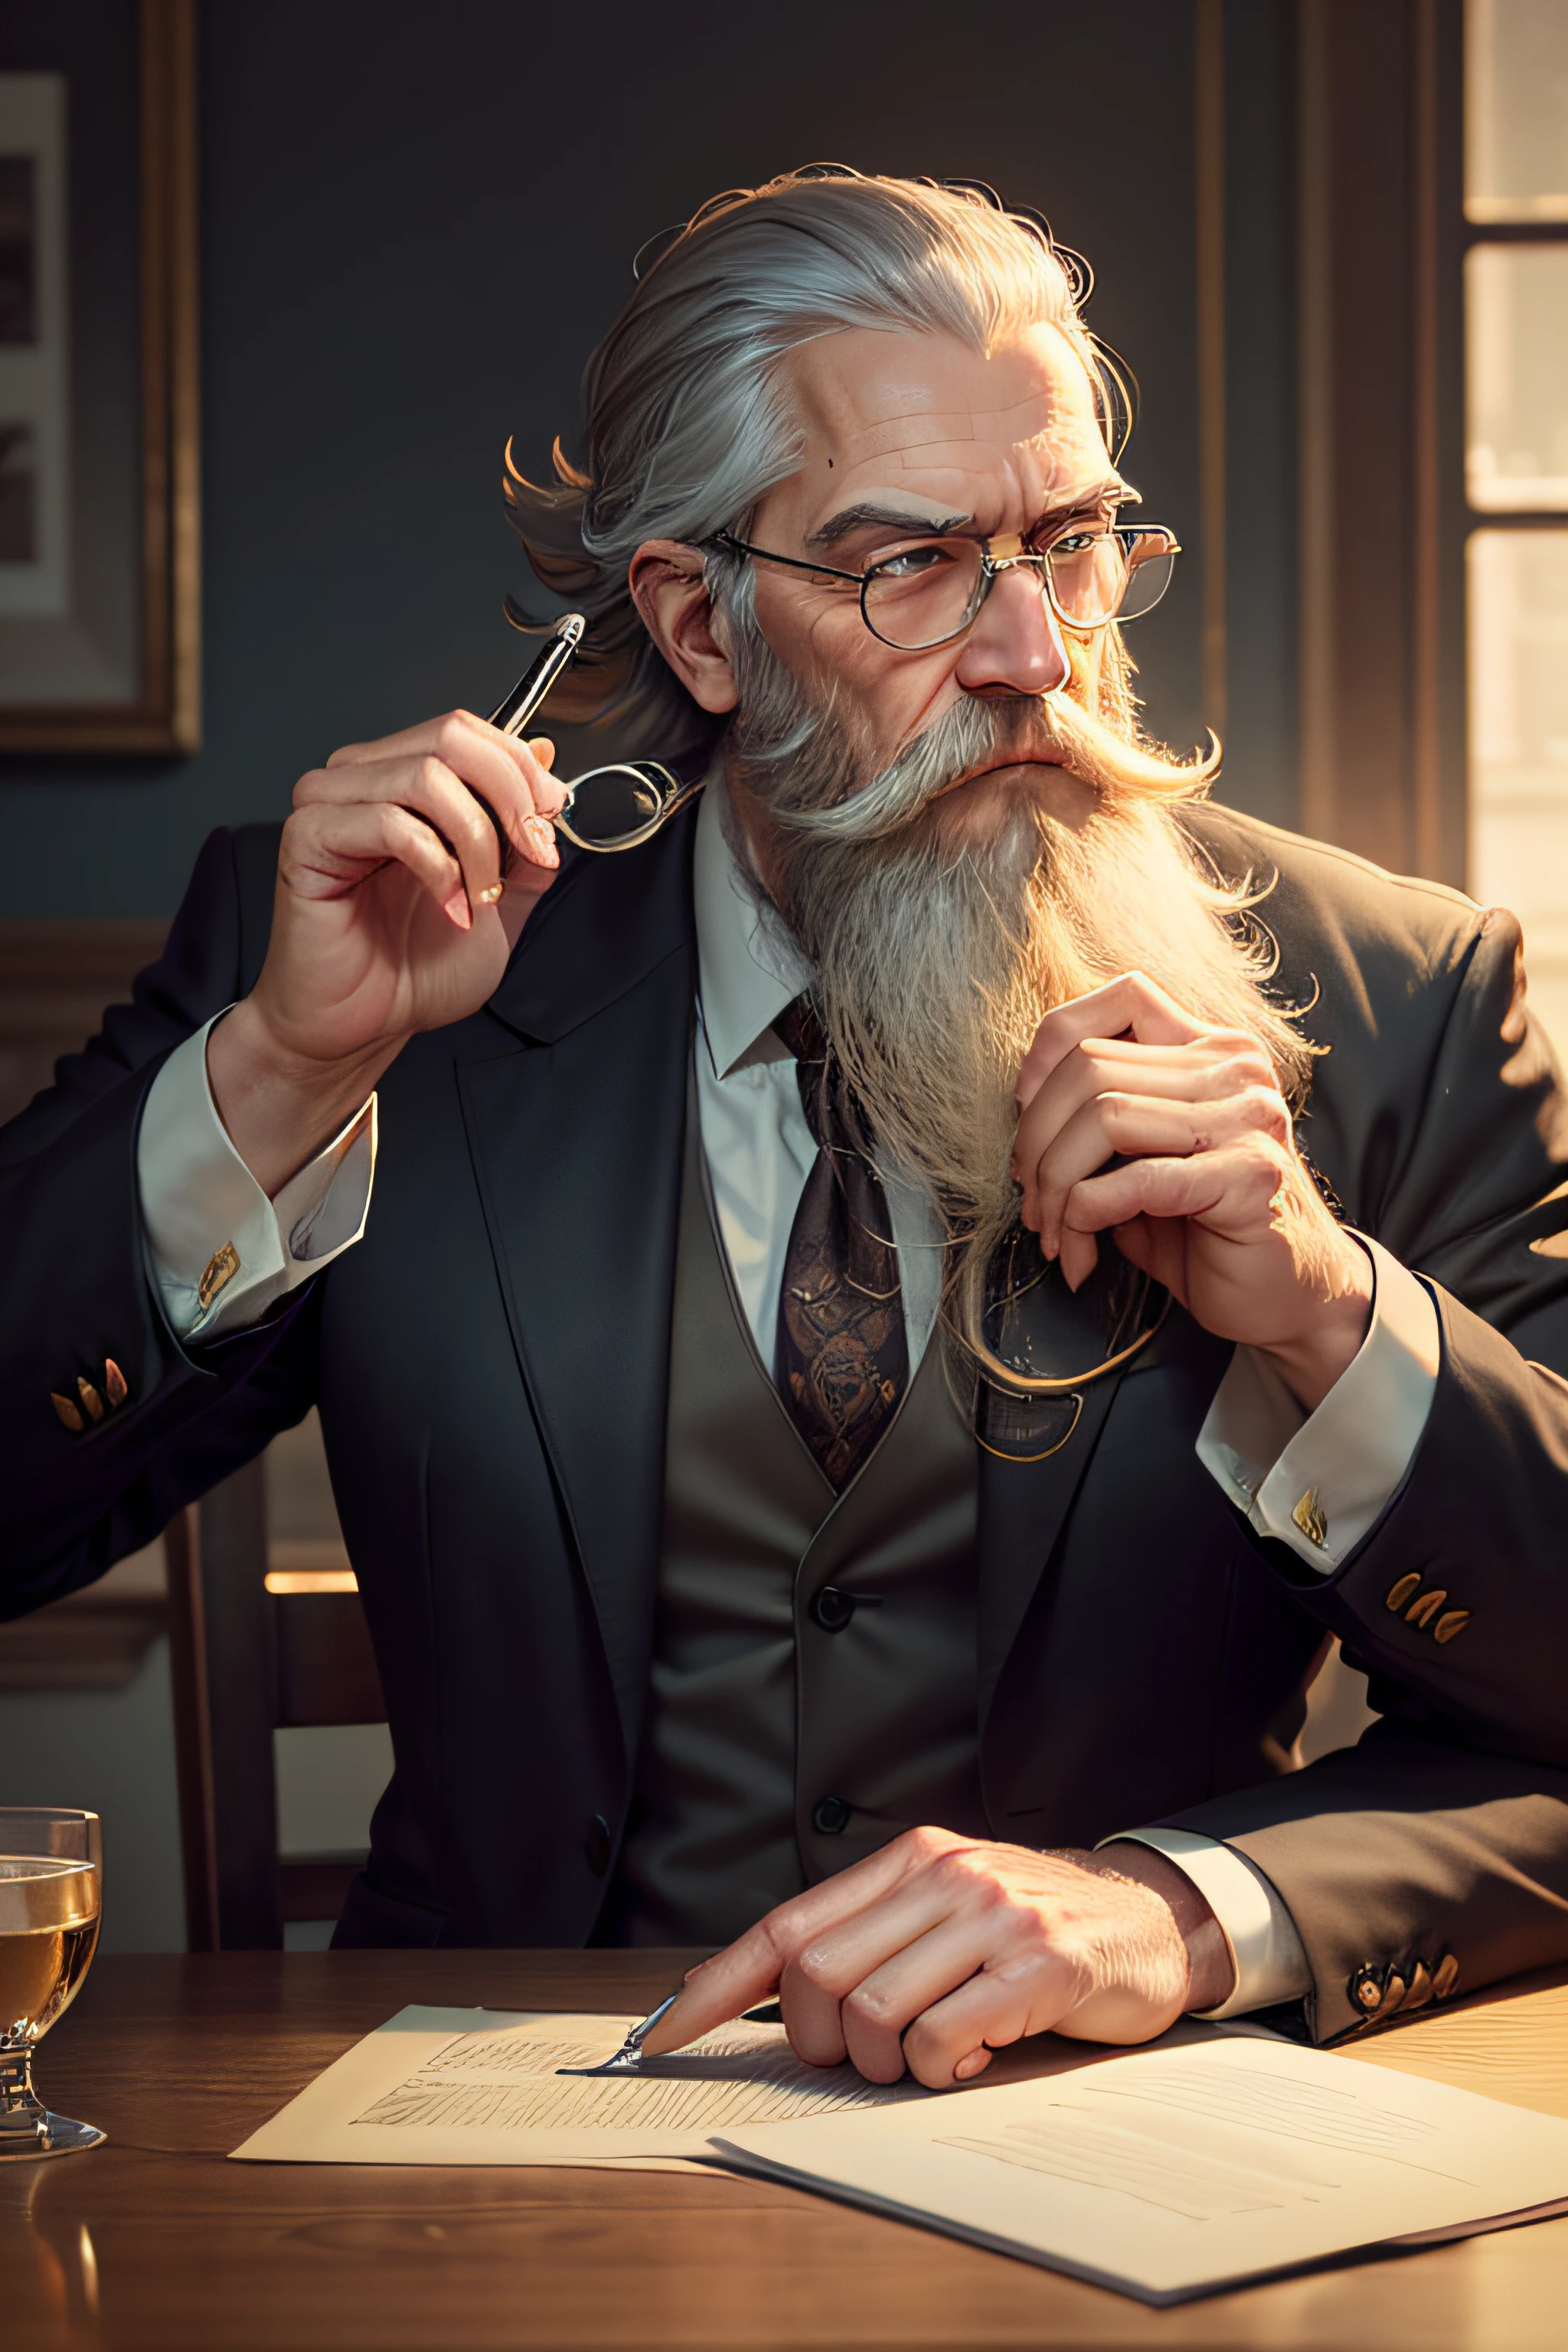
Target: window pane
{"type": "Point", "coordinates": [1516, 109]}
{"type": "Point", "coordinates": [1519, 749]}
{"type": "Point", "coordinates": [1516, 342]}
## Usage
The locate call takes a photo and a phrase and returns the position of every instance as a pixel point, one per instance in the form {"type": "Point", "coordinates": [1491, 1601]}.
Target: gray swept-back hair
{"type": "Point", "coordinates": [687, 425]}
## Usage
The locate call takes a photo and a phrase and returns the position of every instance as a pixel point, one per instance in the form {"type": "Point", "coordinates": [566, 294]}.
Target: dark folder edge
{"type": "Point", "coordinates": [736, 2160]}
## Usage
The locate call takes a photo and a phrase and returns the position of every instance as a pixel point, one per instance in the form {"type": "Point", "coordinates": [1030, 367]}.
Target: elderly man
{"type": "Point", "coordinates": [853, 1418]}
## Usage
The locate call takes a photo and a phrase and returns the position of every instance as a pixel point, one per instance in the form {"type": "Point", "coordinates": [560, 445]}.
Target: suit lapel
{"type": "Point", "coordinates": [575, 1119]}
{"type": "Point", "coordinates": [1022, 1510]}
{"type": "Point", "coordinates": [1024, 1502]}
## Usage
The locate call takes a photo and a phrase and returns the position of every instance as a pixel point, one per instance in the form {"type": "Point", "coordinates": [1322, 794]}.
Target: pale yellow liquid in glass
{"type": "Point", "coordinates": [49, 1925]}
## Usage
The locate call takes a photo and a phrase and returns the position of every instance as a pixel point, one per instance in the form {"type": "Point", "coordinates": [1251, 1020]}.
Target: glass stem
{"type": "Point", "coordinates": [22, 2118]}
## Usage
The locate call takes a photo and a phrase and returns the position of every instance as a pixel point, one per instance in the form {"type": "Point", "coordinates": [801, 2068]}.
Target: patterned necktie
{"type": "Point", "coordinates": [843, 1361]}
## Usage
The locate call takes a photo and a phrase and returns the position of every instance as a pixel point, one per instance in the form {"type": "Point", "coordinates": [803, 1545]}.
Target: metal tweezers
{"type": "Point", "coordinates": [627, 2058]}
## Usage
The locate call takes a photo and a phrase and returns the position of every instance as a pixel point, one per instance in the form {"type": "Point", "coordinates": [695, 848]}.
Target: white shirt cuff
{"type": "Point", "coordinates": [222, 1253]}
{"type": "Point", "coordinates": [1270, 1964]}
{"type": "Point", "coordinates": [1321, 1481]}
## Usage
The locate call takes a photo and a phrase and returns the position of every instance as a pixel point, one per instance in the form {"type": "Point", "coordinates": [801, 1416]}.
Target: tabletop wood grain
{"type": "Point", "coordinates": [157, 2242]}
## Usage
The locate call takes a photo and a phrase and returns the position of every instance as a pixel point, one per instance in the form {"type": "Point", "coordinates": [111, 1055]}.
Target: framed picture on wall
{"type": "Point", "coordinates": [100, 551]}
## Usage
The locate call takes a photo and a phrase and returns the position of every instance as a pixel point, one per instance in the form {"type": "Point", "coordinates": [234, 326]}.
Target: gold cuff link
{"type": "Point", "coordinates": [221, 1269]}
{"type": "Point", "coordinates": [1309, 1517]}
{"type": "Point", "coordinates": [92, 1402]}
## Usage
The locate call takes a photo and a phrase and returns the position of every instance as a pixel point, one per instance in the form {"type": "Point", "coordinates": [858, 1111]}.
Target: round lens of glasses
{"type": "Point", "coordinates": [1151, 560]}
{"type": "Point", "coordinates": [924, 594]}
{"type": "Point", "coordinates": [1110, 575]}
{"type": "Point", "coordinates": [616, 807]}
{"type": "Point", "coordinates": [927, 594]}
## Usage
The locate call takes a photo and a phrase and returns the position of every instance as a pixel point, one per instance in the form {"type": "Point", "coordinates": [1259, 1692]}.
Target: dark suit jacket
{"type": "Point", "coordinates": [490, 1364]}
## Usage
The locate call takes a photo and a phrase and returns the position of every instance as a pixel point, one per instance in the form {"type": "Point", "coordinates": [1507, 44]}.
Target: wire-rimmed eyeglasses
{"type": "Point", "coordinates": [926, 592]}
{"type": "Point", "coordinates": [919, 594]}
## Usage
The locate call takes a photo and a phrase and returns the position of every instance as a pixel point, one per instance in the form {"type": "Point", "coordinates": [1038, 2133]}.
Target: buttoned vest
{"type": "Point", "coordinates": [813, 1687]}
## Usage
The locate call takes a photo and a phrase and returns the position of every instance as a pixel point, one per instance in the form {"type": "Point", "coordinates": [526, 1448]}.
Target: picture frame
{"type": "Point", "coordinates": [100, 480]}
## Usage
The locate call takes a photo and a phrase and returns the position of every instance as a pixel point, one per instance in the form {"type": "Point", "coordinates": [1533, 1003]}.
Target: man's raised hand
{"type": "Point", "coordinates": [1207, 1190]}
{"type": "Point", "coordinates": [391, 916]}
{"type": "Point", "coordinates": [938, 1950]}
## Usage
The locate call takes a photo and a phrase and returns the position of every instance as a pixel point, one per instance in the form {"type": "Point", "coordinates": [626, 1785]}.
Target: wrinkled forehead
{"type": "Point", "coordinates": [1002, 436]}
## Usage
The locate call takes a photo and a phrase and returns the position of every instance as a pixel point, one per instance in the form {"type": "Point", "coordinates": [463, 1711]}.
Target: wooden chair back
{"type": "Point", "coordinates": [245, 1661]}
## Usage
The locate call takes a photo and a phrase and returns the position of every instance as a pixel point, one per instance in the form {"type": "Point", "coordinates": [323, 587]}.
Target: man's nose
{"type": "Point", "coordinates": [1015, 643]}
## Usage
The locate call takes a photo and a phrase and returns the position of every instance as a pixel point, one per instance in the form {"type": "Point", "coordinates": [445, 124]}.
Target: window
{"type": "Point", "coordinates": [1516, 438]}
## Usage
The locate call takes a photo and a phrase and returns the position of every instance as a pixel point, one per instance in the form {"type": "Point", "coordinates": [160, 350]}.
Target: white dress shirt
{"type": "Point", "coordinates": [1317, 1481]}
{"type": "Point", "coordinates": [221, 1251]}
{"type": "Point", "coordinates": [756, 1137]}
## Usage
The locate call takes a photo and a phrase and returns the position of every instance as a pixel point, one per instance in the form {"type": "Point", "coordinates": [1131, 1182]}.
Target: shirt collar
{"type": "Point", "coordinates": [749, 968]}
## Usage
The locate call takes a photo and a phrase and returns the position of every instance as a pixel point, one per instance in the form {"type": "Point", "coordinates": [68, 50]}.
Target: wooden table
{"type": "Point", "coordinates": [155, 2240]}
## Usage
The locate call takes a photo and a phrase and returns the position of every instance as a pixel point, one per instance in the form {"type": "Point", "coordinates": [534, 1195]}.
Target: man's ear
{"type": "Point", "coordinates": [667, 589]}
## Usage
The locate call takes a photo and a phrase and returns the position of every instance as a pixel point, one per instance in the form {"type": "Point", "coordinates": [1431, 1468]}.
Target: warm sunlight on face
{"type": "Point", "coordinates": [905, 433]}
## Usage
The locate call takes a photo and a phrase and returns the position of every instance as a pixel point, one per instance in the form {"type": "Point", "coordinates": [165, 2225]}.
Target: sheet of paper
{"type": "Point", "coordinates": [1172, 2171]}
{"type": "Point", "coordinates": [481, 2086]}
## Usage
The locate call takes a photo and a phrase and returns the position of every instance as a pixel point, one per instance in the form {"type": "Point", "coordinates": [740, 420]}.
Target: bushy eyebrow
{"type": "Point", "coordinates": [906, 525]}
{"type": "Point", "coordinates": [912, 526]}
{"type": "Point", "coordinates": [1112, 491]}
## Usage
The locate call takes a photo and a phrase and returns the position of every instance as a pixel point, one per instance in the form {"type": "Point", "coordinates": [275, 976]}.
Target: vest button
{"type": "Point", "coordinates": [831, 1816]}
{"type": "Point", "coordinates": [833, 1609]}
{"type": "Point", "coordinates": [597, 1845]}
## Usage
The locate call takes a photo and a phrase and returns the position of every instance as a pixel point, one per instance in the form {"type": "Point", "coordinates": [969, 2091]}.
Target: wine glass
{"type": "Point", "coordinates": [51, 1896]}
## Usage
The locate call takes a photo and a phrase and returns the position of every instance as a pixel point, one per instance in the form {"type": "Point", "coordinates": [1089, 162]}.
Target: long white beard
{"type": "Point", "coordinates": [941, 932]}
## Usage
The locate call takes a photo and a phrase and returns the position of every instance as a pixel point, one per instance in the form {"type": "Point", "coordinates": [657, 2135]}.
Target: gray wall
{"type": "Point", "coordinates": [416, 220]}
{"type": "Point", "coordinates": [112, 1753]}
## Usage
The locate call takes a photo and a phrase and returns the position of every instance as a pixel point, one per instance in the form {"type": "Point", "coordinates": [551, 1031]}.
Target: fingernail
{"type": "Point", "coordinates": [457, 908]}
{"type": "Point", "coordinates": [975, 2063]}
{"type": "Point", "coordinates": [540, 838]}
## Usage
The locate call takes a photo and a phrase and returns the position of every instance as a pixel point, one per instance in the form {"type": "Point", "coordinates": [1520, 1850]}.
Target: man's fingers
{"type": "Point", "coordinates": [429, 789]}
{"type": "Point", "coordinates": [992, 2009]}
{"type": "Point", "coordinates": [848, 1986]}
{"type": "Point", "coordinates": [752, 1967]}
{"type": "Point", "coordinates": [434, 789]}
{"type": "Point", "coordinates": [1130, 1002]}
{"type": "Point", "coordinates": [1157, 1246]}
{"type": "Point", "coordinates": [1206, 1069]}
{"type": "Point", "coordinates": [459, 737]}
{"type": "Point", "coordinates": [1108, 1124]}
{"type": "Point", "coordinates": [1240, 1182]}
{"type": "Point", "coordinates": [443, 783]}
{"type": "Point", "coordinates": [514, 779]}
{"type": "Point", "coordinates": [734, 1979]}
{"type": "Point", "coordinates": [840, 1976]}
{"type": "Point", "coordinates": [329, 850]}
{"type": "Point", "coordinates": [1134, 1126]}
{"type": "Point", "coordinates": [1147, 1187]}
{"type": "Point", "coordinates": [971, 1946]}
{"type": "Point", "coordinates": [1078, 1255]}
{"type": "Point", "coordinates": [544, 795]}
{"type": "Point", "coordinates": [876, 2012]}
